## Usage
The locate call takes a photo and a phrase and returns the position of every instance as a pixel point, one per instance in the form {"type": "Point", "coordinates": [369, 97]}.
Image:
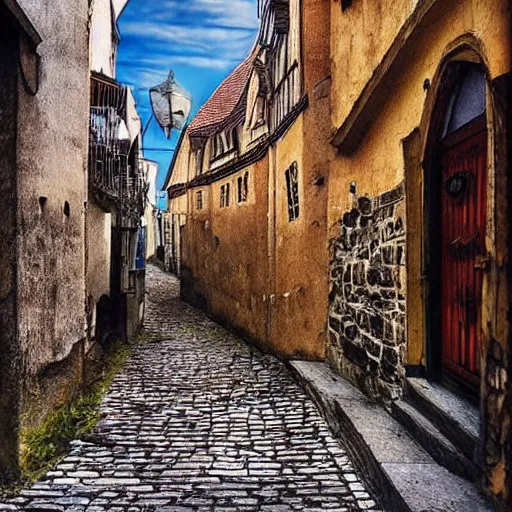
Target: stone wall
{"type": "Point", "coordinates": [367, 294]}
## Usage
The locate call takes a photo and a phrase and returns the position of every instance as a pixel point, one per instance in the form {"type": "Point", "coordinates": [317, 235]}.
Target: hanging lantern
{"type": "Point", "coordinates": [171, 104]}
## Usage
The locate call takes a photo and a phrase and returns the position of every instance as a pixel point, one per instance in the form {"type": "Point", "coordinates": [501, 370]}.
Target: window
{"type": "Point", "coordinates": [217, 146]}
{"type": "Point", "coordinates": [224, 195]}
{"type": "Point", "coordinates": [242, 188]}
{"type": "Point", "coordinates": [468, 99]}
{"type": "Point", "coordinates": [258, 115]}
{"type": "Point", "coordinates": [345, 4]}
{"type": "Point", "coordinates": [292, 187]}
{"type": "Point", "coordinates": [199, 161]}
{"type": "Point", "coordinates": [199, 200]}
{"type": "Point", "coordinates": [223, 142]}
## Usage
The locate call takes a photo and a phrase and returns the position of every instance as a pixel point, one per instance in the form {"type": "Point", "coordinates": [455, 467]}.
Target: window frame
{"type": "Point", "coordinates": [242, 188]}
{"type": "Point", "coordinates": [199, 200]}
{"type": "Point", "coordinates": [292, 191]}
{"type": "Point", "coordinates": [225, 192]}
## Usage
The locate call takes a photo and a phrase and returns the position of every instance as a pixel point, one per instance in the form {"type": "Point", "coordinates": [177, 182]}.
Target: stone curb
{"type": "Point", "coordinates": [397, 469]}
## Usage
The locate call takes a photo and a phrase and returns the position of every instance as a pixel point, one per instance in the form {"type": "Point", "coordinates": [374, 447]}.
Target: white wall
{"type": "Point", "coordinates": [101, 39]}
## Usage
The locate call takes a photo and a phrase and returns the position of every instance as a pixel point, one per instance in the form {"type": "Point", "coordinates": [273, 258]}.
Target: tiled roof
{"type": "Point", "coordinates": [223, 101]}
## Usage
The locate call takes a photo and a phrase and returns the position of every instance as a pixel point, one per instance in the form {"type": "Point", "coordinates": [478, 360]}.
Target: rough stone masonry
{"type": "Point", "coordinates": [367, 298]}
{"type": "Point", "coordinates": [201, 422]}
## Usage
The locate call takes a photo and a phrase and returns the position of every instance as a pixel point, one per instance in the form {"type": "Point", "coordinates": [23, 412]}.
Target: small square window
{"type": "Point", "coordinates": [292, 188]}
{"type": "Point", "coordinates": [199, 200]}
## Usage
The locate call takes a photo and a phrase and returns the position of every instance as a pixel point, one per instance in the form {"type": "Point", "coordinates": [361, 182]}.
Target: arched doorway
{"type": "Point", "coordinates": [457, 211]}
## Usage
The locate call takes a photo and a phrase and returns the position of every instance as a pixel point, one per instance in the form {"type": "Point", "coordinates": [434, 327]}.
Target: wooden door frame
{"type": "Point", "coordinates": [465, 50]}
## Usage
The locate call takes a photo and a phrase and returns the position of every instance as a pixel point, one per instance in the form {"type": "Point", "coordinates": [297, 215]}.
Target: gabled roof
{"type": "Point", "coordinates": [223, 101]}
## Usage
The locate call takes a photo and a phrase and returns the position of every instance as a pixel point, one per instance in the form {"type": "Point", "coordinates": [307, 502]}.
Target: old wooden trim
{"type": "Point", "coordinates": [250, 157]}
{"type": "Point", "coordinates": [177, 190]}
{"type": "Point", "coordinates": [350, 134]}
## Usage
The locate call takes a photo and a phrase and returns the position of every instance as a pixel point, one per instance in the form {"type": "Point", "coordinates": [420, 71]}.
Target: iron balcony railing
{"type": "Point", "coordinates": [109, 145]}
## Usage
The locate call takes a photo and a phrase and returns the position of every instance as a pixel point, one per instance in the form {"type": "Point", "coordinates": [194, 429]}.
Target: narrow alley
{"type": "Point", "coordinates": [200, 421]}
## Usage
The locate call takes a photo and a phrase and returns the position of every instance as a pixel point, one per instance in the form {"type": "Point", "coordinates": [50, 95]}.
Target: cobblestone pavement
{"type": "Point", "coordinates": [201, 422]}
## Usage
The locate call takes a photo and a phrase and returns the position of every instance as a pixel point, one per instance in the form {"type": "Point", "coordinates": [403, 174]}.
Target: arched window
{"type": "Point", "coordinates": [468, 99]}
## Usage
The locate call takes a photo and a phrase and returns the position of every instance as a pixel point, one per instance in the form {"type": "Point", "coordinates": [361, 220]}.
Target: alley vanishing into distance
{"type": "Point", "coordinates": [201, 421]}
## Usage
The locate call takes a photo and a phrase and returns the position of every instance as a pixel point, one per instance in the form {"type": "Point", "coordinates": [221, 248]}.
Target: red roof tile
{"type": "Point", "coordinates": [223, 101]}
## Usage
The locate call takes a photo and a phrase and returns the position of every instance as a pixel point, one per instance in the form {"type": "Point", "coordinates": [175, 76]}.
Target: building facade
{"type": "Point", "coordinates": [116, 193]}
{"type": "Point", "coordinates": [151, 211]}
{"type": "Point", "coordinates": [72, 198]}
{"type": "Point", "coordinates": [345, 193]}
{"type": "Point", "coordinates": [419, 206]}
{"type": "Point", "coordinates": [44, 112]}
{"type": "Point", "coordinates": [248, 188]}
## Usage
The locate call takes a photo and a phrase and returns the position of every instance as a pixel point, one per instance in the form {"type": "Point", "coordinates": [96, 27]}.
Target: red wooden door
{"type": "Point", "coordinates": [463, 261]}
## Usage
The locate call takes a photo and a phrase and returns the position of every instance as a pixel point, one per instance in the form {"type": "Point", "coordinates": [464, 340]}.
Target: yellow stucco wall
{"type": "Point", "coordinates": [359, 40]}
{"type": "Point", "coordinates": [380, 154]}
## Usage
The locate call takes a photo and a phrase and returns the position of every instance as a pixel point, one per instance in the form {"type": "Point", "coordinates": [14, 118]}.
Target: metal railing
{"type": "Point", "coordinates": [115, 171]}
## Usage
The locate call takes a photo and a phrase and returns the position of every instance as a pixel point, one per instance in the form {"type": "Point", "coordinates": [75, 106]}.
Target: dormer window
{"type": "Point", "coordinates": [258, 114]}
{"type": "Point", "coordinates": [223, 142]}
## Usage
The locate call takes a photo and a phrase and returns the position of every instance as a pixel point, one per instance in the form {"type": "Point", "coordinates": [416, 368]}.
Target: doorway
{"type": "Point", "coordinates": [457, 218]}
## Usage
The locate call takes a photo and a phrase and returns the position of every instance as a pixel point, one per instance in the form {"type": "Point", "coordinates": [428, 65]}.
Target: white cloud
{"type": "Point", "coordinates": [191, 39]}
{"type": "Point", "coordinates": [235, 13]}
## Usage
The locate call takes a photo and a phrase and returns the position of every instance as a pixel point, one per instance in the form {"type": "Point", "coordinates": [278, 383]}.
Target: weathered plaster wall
{"type": "Point", "coordinates": [183, 163]}
{"type": "Point", "coordinates": [177, 219]}
{"type": "Point", "coordinates": [377, 166]}
{"type": "Point", "coordinates": [302, 250]}
{"type": "Point", "coordinates": [149, 222]}
{"type": "Point", "coordinates": [99, 246]}
{"type": "Point", "coordinates": [10, 361]}
{"type": "Point", "coordinates": [225, 253]}
{"type": "Point", "coordinates": [362, 34]}
{"type": "Point", "coordinates": [150, 171]}
{"type": "Point", "coordinates": [101, 38]}
{"type": "Point", "coordinates": [52, 157]}
{"type": "Point", "coordinates": [298, 309]}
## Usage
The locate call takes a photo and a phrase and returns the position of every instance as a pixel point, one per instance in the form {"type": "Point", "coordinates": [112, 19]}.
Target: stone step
{"type": "Point", "coordinates": [456, 418]}
{"type": "Point", "coordinates": [431, 439]}
{"type": "Point", "coordinates": [396, 467]}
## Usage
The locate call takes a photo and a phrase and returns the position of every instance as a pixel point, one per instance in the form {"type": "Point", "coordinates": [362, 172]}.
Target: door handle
{"type": "Point", "coordinates": [483, 262]}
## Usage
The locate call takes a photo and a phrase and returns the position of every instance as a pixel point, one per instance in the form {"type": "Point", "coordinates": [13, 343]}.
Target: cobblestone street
{"type": "Point", "coordinates": [201, 422]}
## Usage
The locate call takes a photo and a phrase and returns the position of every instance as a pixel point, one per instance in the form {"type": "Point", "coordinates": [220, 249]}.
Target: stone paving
{"type": "Point", "coordinates": [201, 422]}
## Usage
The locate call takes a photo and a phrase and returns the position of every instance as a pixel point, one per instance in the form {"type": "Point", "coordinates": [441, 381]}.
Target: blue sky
{"type": "Point", "coordinates": [201, 40]}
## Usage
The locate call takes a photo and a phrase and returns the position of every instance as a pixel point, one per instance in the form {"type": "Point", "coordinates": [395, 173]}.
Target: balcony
{"type": "Point", "coordinates": [109, 145]}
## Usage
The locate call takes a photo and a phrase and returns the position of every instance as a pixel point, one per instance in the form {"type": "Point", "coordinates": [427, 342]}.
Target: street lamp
{"type": "Point", "coordinates": [171, 104]}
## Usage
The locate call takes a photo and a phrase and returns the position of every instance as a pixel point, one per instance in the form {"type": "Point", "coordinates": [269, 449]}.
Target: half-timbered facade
{"type": "Point", "coordinates": [244, 163]}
